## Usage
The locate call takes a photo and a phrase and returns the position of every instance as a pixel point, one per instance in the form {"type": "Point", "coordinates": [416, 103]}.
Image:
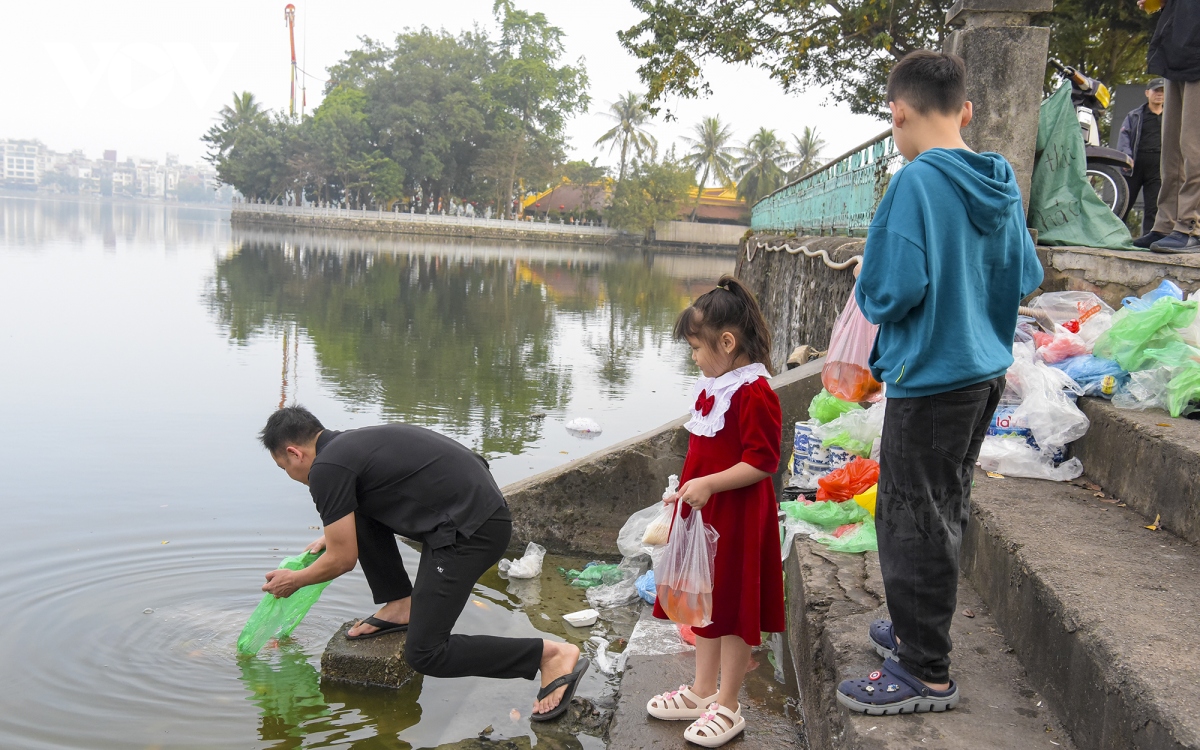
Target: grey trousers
{"type": "Point", "coordinates": [1179, 197]}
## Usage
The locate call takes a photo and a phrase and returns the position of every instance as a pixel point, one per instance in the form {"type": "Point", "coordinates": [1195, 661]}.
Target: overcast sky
{"type": "Point", "coordinates": [146, 78]}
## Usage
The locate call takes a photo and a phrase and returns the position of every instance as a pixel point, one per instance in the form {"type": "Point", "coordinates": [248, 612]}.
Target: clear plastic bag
{"type": "Point", "coordinates": [1063, 345]}
{"type": "Point", "coordinates": [647, 524]}
{"type": "Point", "coordinates": [847, 372]}
{"type": "Point", "coordinates": [277, 618]}
{"type": "Point", "coordinates": [1016, 458]}
{"type": "Point", "coordinates": [1045, 409]}
{"type": "Point", "coordinates": [855, 431]}
{"type": "Point", "coordinates": [1146, 389]}
{"type": "Point", "coordinates": [684, 578]}
{"type": "Point", "coordinates": [660, 526]}
{"type": "Point", "coordinates": [1092, 314]}
{"type": "Point", "coordinates": [528, 565]}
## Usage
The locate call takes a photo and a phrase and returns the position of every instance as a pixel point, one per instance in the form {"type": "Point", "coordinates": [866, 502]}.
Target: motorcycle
{"type": "Point", "coordinates": [1104, 165]}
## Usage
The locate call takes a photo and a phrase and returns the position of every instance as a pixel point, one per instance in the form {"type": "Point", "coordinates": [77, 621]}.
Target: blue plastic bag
{"type": "Point", "coordinates": [645, 586]}
{"type": "Point", "coordinates": [1167, 288]}
{"type": "Point", "coordinates": [1096, 376]}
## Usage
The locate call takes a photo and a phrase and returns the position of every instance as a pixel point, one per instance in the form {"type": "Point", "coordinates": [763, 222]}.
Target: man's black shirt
{"type": "Point", "coordinates": [418, 483]}
{"type": "Point", "coordinates": [1150, 141]}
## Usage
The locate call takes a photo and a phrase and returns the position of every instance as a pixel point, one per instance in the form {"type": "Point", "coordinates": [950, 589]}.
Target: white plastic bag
{"type": "Point", "coordinates": [1017, 458]}
{"type": "Point", "coordinates": [1045, 409]}
{"type": "Point", "coordinates": [856, 431]}
{"type": "Point", "coordinates": [629, 538]}
{"type": "Point", "coordinates": [528, 565]}
{"type": "Point", "coordinates": [660, 526]}
{"type": "Point", "coordinates": [1146, 389]}
{"type": "Point", "coordinates": [1092, 313]}
{"type": "Point", "coordinates": [684, 578]}
{"type": "Point", "coordinates": [620, 593]}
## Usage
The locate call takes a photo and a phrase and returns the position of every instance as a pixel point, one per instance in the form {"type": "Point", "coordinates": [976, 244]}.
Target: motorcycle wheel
{"type": "Point", "coordinates": [1110, 185]}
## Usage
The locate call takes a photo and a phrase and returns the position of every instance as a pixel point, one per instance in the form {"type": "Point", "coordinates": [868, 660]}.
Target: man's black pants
{"type": "Point", "coordinates": [444, 583]}
{"type": "Point", "coordinates": [1146, 178]}
{"type": "Point", "coordinates": [926, 466]}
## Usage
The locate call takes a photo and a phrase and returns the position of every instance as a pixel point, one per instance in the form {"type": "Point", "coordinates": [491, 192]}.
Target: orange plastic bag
{"type": "Point", "coordinates": [684, 576]}
{"type": "Point", "coordinates": [854, 478]}
{"type": "Point", "coordinates": [847, 372]}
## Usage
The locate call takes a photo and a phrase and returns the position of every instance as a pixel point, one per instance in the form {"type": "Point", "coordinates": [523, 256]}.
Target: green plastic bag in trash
{"type": "Point", "coordinates": [595, 575]}
{"type": "Point", "coordinates": [1063, 206]}
{"type": "Point", "coordinates": [1183, 391]}
{"type": "Point", "coordinates": [277, 618]}
{"type": "Point", "coordinates": [826, 514]}
{"type": "Point", "coordinates": [826, 407]}
{"type": "Point", "coordinates": [861, 539]}
{"type": "Point", "coordinates": [1134, 334]}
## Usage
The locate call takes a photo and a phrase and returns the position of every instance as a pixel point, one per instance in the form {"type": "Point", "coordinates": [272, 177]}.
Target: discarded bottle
{"type": "Point", "coordinates": [277, 618]}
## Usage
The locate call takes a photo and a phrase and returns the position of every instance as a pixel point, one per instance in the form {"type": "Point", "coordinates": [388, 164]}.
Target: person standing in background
{"type": "Point", "coordinates": [1141, 140]}
{"type": "Point", "coordinates": [1175, 55]}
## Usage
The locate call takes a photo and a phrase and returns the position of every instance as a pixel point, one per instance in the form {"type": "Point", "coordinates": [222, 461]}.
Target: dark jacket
{"type": "Point", "coordinates": [1131, 134]}
{"type": "Point", "coordinates": [1175, 47]}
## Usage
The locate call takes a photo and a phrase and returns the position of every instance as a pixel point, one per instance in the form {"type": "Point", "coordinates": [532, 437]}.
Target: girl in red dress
{"type": "Point", "coordinates": [736, 429]}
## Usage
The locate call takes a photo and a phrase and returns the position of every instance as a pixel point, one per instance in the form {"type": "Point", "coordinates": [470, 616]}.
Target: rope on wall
{"type": "Point", "coordinates": [753, 246]}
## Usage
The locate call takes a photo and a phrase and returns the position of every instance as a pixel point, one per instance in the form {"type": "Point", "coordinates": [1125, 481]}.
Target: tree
{"type": "Point", "coordinates": [589, 177]}
{"type": "Point", "coordinates": [654, 191]}
{"type": "Point", "coordinates": [535, 95]}
{"type": "Point", "coordinates": [808, 152]}
{"type": "Point", "coordinates": [710, 154]}
{"type": "Point", "coordinates": [1105, 39]}
{"type": "Point", "coordinates": [630, 113]}
{"type": "Point", "coordinates": [848, 46]}
{"type": "Point", "coordinates": [759, 171]}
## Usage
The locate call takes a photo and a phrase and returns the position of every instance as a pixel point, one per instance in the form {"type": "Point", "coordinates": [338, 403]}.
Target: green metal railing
{"type": "Point", "coordinates": [837, 199]}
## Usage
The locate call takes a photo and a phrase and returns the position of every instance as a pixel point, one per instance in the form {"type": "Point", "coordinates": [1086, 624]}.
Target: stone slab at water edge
{"type": "Point", "coordinates": [374, 661]}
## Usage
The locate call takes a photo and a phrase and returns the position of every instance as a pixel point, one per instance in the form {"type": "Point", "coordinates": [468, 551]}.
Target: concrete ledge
{"type": "Point", "coordinates": [580, 506]}
{"type": "Point", "coordinates": [1099, 609]}
{"type": "Point", "coordinates": [832, 599]}
{"type": "Point", "coordinates": [1148, 459]}
{"type": "Point", "coordinates": [378, 662]}
{"type": "Point", "coordinates": [1115, 274]}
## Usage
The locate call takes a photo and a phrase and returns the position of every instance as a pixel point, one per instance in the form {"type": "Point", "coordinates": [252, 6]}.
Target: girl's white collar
{"type": "Point", "coordinates": [715, 395]}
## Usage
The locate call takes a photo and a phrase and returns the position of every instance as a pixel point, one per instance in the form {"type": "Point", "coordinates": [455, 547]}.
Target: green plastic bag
{"type": "Point", "coordinates": [277, 618]}
{"type": "Point", "coordinates": [595, 575]}
{"type": "Point", "coordinates": [861, 539]}
{"type": "Point", "coordinates": [1183, 390]}
{"type": "Point", "coordinates": [826, 514]}
{"type": "Point", "coordinates": [1063, 207]}
{"type": "Point", "coordinates": [1134, 334]}
{"type": "Point", "coordinates": [826, 407]}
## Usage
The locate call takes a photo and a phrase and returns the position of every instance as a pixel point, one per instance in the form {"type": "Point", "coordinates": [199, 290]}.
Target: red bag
{"type": "Point", "coordinates": [847, 372]}
{"type": "Point", "coordinates": [854, 478]}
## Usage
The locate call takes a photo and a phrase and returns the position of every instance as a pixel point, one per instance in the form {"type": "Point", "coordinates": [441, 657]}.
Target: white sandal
{"type": "Point", "coordinates": [716, 726]}
{"type": "Point", "coordinates": [670, 705]}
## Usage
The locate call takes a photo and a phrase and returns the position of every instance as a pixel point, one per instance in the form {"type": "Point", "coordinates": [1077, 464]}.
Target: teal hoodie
{"type": "Point", "coordinates": [947, 262]}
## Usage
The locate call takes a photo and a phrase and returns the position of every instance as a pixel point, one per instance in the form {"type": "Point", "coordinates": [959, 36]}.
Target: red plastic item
{"type": "Point", "coordinates": [685, 632]}
{"type": "Point", "coordinates": [846, 374]}
{"type": "Point", "coordinates": [1040, 338]}
{"type": "Point", "coordinates": [854, 478]}
{"type": "Point", "coordinates": [1072, 326]}
{"type": "Point", "coordinates": [845, 528]}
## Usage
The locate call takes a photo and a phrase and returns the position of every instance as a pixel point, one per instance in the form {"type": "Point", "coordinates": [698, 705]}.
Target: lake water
{"type": "Point", "coordinates": [144, 346]}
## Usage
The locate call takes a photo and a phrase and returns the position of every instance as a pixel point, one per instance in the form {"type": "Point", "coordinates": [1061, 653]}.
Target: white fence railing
{"type": "Point", "coordinates": [414, 218]}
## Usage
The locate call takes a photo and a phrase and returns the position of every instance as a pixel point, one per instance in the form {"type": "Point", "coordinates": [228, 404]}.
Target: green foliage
{"type": "Point", "coordinates": [848, 46]}
{"type": "Point", "coordinates": [1104, 39]}
{"type": "Point", "coordinates": [430, 116]}
{"type": "Point", "coordinates": [653, 191]}
{"type": "Point", "coordinates": [760, 170]}
{"type": "Point", "coordinates": [710, 154]}
{"type": "Point", "coordinates": [631, 114]}
{"type": "Point", "coordinates": [807, 155]}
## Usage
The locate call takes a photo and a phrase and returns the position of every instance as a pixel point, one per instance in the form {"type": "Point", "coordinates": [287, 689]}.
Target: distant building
{"type": "Point", "coordinates": [21, 164]}
{"type": "Point", "coordinates": [717, 206]}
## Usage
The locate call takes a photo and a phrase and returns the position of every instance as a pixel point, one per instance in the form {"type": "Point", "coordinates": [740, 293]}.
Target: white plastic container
{"type": "Point", "coordinates": [582, 619]}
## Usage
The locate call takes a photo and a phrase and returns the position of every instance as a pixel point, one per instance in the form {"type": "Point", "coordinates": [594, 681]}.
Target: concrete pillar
{"type": "Point", "coordinates": [1006, 65]}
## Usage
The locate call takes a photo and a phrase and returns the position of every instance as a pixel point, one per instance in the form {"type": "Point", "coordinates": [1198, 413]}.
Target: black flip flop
{"type": "Point", "coordinates": [384, 626]}
{"type": "Point", "coordinates": [571, 681]}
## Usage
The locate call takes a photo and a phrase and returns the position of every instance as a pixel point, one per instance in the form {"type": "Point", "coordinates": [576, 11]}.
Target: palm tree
{"type": "Point", "coordinates": [710, 155]}
{"type": "Point", "coordinates": [630, 113]}
{"type": "Point", "coordinates": [760, 172]}
{"type": "Point", "coordinates": [246, 110]}
{"type": "Point", "coordinates": [808, 152]}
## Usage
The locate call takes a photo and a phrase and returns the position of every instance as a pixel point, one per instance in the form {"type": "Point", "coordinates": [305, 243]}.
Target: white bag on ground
{"type": "Point", "coordinates": [620, 593]}
{"type": "Point", "coordinates": [1045, 409]}
{"type": "Point", "coordinates": [1017, 458]}
{"type": "Point", "coordinates": [528, 565]}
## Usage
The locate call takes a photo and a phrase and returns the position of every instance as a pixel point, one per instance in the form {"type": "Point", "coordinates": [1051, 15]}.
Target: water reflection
{"type": "Point", "coordinates": [465, 339]}
{"type": "Point", "coordinates": [34, 221]}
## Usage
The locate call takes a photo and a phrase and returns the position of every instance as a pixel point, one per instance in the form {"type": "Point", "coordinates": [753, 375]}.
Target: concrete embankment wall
{"type": "Point", "coordinates": [697, 234]}
{"type": "Point", "coordinates": [800, 296]}
{"type": "Point", "coordinates": [515, 232]}
{"type": "Point", "coordinates": [1115, 274]}
{"type": "Point", "coordinates": [580, 507]}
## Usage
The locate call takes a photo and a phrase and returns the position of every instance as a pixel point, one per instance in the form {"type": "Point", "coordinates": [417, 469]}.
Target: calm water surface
{"type": "Point", "coordinates": [143, 347]}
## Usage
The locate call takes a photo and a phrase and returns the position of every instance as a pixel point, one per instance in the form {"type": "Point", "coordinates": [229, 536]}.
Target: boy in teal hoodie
{"type": "Point", "coordinates": [947, 261]}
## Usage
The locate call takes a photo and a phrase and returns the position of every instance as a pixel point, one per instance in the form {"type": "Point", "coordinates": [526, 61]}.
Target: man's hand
{"type": "Point", "coordinates": [695, 492]}
{"type": "Point", "coordinates": [316, 546]}
{"type": "Point", "coordinates": [282, 583]}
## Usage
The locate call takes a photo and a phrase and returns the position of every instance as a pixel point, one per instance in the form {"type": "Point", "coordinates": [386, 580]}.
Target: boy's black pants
{"type": "Point", "coordinates": [445, 580]}
{"type": "Point", "coordinates": [926, 465]}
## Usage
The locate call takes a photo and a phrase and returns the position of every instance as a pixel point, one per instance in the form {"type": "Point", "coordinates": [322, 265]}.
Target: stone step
{"type": "Point", "coordinates": [832, 599]}
{"type": "Point", "coordinates": [1146, 458]}
{"type": "Point", "coordinates": [1099, 609]}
